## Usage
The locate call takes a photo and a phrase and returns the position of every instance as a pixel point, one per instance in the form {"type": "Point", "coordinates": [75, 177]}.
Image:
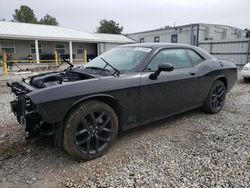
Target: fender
{"type": "Point", "coordinates": [117, 107]}
{"type": "Point", "coordinates": [92, 96]}
{"type": "Point", "coordinates": [222, 78]}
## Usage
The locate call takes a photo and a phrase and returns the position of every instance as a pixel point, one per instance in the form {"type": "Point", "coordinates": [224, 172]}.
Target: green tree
{"type": "Point", "coordinates": [109, 26]}
{"type": "Point", "coordinates": [25, 15]}
{"type": "Point", "coordinates": [48, 20]}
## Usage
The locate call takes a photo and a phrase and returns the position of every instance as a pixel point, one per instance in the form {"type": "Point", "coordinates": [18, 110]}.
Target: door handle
{"type": "Point", "coordinates": [192, 73]}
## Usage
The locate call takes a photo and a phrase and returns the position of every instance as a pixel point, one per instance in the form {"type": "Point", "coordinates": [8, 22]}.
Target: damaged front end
{"type": "Point", "coordinates": [26, 112]}
{"type": "Point", "coordinates": [39, 118]}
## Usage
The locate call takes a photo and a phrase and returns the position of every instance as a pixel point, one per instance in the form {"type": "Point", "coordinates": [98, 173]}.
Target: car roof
{"type": "Point", "coordinates": [160, 45]}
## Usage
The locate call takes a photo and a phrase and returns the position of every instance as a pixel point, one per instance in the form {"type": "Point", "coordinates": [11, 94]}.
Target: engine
{"type": "Point", "coordinates": [50, 79]}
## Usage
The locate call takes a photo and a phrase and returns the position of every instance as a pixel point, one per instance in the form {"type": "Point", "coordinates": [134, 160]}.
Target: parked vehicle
{"type": "Point", "coordinates": [245, 72]}
{"type": "Point", "coordinates": [128, 86]}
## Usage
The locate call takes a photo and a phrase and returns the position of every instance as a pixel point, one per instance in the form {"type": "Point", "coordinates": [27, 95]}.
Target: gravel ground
{"type": "Point", "coordinates": [190, 150]}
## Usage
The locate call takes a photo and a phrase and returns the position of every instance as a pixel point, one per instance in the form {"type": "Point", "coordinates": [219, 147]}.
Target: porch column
{"type": "Point", "coordinates": [37, 51]}
{"type": "Point", "coordinates": [70, 52]}
{"type": "Point", "coordinates": [98, 49]}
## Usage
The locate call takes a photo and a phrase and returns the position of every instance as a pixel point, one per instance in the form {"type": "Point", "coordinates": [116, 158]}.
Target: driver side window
{"type": "Point", "coordinates": [177, 57]}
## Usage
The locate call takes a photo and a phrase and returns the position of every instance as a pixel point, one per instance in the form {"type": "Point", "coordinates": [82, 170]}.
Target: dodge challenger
{"type": "Point", "coordinates": [85, 107]}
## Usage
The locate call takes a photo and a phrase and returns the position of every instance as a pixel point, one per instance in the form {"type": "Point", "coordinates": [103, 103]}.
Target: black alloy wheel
{"type": "Point", "coordinates": [216, 98]}
{"type": "Point", "coordinates": [94, 132]}
{"type": "Point", "coordinates": [90, 130]}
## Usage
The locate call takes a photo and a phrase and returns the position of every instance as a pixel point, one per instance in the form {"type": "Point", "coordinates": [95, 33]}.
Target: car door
{"type": "Point", "coordinates": [171, 92]}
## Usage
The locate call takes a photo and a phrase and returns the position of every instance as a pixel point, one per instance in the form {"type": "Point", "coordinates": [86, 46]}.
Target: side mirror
{"type": "Point", "coordinates": [162, 67]}
{"type": "Point", "coordinates": [166, 67]}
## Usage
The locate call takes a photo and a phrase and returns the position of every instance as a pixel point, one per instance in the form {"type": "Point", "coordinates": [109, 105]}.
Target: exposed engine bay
{"type": "Point", "coordinates": [46, 80]}
{"type": "Point", "coordinates": [49, 79]}
{"type": "Point", "coordinates": [54, 78]}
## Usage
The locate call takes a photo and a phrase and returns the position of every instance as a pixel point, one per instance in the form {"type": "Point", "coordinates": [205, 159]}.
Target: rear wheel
{"type": "Point", "coordinates": [90, 130]}
{"type": "Point", "coordinates": [216, 98]}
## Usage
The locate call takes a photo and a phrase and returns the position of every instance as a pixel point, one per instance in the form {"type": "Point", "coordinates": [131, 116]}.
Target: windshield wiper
{"type": "Point", "coordinates": [97, 68]}
{"type": "Point", "coordinates": [116, 71]}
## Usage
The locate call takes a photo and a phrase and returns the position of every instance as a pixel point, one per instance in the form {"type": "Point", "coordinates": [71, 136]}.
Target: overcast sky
{"type": "Point", "coordinates": [136, 15]}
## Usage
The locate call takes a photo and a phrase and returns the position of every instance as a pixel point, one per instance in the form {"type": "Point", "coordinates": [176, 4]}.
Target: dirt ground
{"type": "Point", "coordinates": [189, 150]}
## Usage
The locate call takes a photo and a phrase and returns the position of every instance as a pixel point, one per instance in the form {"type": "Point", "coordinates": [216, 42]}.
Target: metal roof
{"type": "Point", "coordinates": [114, 38]}
{"type": "Point", "coordinates": [180, 26]}
{"type": "Point", "coordinates": [14, 30]}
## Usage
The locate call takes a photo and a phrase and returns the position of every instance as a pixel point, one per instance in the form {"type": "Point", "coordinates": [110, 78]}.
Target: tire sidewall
{"type": "Point", "coordinates": [208, 104]}
{"type": "Point", "coordinates": [72, 123]}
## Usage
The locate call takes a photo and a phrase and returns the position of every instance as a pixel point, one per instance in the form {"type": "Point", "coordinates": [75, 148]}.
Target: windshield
{"type": "Point", "coordinates": [124, 58]}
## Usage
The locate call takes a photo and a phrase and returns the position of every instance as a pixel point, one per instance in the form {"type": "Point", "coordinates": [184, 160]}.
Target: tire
{"type": "Point", "coordinates": [246, 79]}
{"type": "Point", "coordinates": [90, 130]}
{"type": "Point", "coordinates": [216, 98]}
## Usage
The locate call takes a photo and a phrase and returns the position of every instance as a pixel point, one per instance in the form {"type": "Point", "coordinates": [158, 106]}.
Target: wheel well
{"type": "Point", "coordinates": [115, 105]}
{"type": "Point", "coordinates": [224, 80]}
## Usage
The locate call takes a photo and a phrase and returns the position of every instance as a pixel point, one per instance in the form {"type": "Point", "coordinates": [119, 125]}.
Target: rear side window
{"type": "Point", "coordinates": [194, 57]}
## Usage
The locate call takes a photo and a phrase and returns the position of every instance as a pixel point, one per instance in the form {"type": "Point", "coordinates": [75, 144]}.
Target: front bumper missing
{"type": "Point", "coordinates": [18, 88]}
{"type": "Point", "coordinates": [22, 109]}
{"type": "Point", "coordinates": [27, 114]}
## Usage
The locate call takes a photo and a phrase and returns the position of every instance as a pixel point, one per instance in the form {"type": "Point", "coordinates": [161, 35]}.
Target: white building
{"type": "Point", "coordinates": [189, 34]}
{"type": "Point", "coordinates": [21, 40]}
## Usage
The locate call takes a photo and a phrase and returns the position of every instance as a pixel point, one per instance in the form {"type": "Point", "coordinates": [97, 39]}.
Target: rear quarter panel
{"type": "Point", "coordinates": [211, 70]}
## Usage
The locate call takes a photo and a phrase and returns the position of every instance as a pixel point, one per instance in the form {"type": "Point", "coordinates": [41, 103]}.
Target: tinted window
{"type": "Point", "coordinates": [194, 57]}
{"type": "Point", "coordinates": [177, 57]}
{"type": "Point", "coordinates": [125, 58]}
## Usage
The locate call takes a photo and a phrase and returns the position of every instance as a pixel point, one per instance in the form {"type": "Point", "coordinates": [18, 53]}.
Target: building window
{"type": "Point", "coordinates": [209, 38]}
{"type": "Point", "coordinates": [8, 47]}
{"type": "Point", "coordinates": [60, 48]}
{"type": "Point", "coordinates": [157, 39]}
{"type": "Point", "coordinates": [174, 38]}
{"type": "Point", "coordinates": [80, 49]}
{"type": "Point", "coordinates": [33, 48]}
{"type": "Point", "coordinates": [142, 40]}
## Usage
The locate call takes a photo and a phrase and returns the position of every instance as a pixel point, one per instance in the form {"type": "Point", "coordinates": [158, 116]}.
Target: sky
{"type": "Point", "coordinates": [135, 15]}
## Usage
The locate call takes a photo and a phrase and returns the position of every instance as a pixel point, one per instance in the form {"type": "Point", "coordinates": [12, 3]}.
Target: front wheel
{"type": "Point", "coordinates": [90, 130]}
{"type": "Point", "coordinates": [216, 98]}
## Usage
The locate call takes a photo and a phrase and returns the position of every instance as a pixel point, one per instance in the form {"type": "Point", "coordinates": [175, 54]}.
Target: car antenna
{"type": "Point", "coordinates": [116, 70]}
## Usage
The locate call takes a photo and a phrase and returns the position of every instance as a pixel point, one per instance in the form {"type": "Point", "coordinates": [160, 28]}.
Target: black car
{"type": "Point", "coordinates": [85, 107]}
